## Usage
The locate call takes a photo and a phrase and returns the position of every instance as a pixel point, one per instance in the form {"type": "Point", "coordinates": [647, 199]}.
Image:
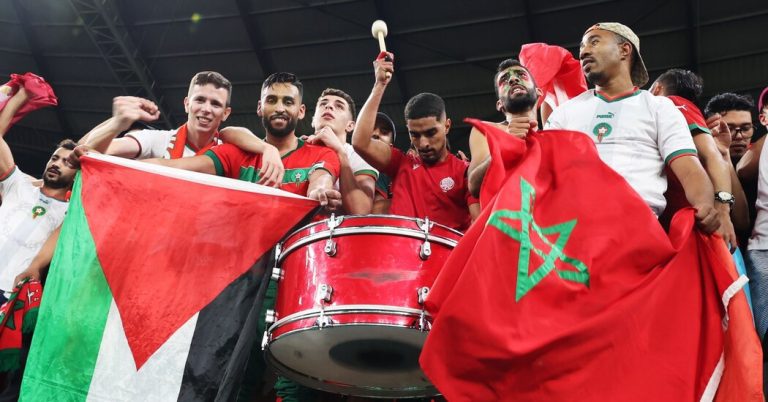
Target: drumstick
{"type": "Point", "coordinates": [379, 31]}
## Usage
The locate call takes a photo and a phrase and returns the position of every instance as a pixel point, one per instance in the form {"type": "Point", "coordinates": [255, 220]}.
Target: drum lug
{"type": "Point", "coordinates": [422, 293]}
{"type": "Point", "coordinates": [330, 247]}
{"type": "Point", "coordinates": [333, 223]}
{"type": "Point", "coordinates": [277, 274]}
{"type": "Point", "coordinates": [426, 249]}
{"type": "Point", "coordinates": [324, 295]}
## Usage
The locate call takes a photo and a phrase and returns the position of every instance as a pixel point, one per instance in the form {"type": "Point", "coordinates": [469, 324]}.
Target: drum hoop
{"type": "Point", "coordinates": [347, 309]}
{"type": "Point", "coordinates": [398, 217]}
{"type": "Point", "coordinates": [414, 234]}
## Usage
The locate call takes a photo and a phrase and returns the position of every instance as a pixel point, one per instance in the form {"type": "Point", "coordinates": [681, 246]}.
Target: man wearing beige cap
{"type": "Point", "coordinates": [637, 134]}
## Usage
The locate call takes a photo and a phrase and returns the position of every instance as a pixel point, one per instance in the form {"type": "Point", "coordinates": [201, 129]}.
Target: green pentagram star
{"type": "Point", "coordinates": [526, 282]}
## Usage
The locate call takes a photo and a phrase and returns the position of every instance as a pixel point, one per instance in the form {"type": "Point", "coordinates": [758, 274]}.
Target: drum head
{"type": "Point", "coordinates": [361, 359]}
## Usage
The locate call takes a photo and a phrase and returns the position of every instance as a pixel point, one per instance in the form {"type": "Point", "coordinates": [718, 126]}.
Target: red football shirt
{"type": "Point", "coordinates": [693, 116]}
{"type": "Point", "coordinates": [231, 161]}
{"type": "Point", "coordinates": [439, 192]}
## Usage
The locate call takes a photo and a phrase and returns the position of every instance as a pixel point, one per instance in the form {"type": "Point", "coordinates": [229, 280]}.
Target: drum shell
{"type": "Point", "coordinates": [369, 268]}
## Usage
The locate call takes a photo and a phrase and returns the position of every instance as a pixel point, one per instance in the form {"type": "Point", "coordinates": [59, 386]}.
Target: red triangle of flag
{"type": "Point", "coordinates": [168, 246]}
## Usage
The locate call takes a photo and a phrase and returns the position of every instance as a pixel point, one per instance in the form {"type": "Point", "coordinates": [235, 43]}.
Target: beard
{"type": "Point", "coordinates": [290, 126]}
{"type": "Point", "coordinates": [56, 182]}
{"type": "Point", "coordinates": [521, 103]}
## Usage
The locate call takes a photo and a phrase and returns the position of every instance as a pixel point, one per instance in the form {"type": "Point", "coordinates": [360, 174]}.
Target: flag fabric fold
{"type": "Point", "coordinates": [18, 316]}
{"type": "Point", "coordinates": [39, 91]}
{"type": "Point", "coordinates": [557, 73]}
{"type": "Point", "coordinates": [154, 276]}
{"type": "Point", "coordinates": [577, 293]}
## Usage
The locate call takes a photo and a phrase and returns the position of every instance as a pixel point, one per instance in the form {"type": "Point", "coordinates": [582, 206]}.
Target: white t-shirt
{"type": "Point", "coordinates": [358, 165]}
{"type": "Point", "coordinates": [759, 238]}
{"type": "Point", "coordinates": [157, 144]}
{"type": "Point", "coordinates": [27, 219]}
{"type": "Point", "coordinates": [636, 135]}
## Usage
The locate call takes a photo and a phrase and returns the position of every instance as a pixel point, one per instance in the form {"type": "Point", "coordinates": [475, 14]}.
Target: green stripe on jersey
{"type": "Point", "coordinates": [680, 152]}
{"type": "Point", "coordinates": [72, 316]}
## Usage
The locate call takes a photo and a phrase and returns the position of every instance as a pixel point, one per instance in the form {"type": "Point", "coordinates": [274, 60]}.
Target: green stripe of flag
{"type": "Point", "coordinates": [67, 338]}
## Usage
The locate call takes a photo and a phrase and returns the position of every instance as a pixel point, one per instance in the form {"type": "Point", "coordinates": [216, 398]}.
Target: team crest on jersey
{"type": "Point", "coordinates": [38, 211]}
{"type": "Point", "coordinates": [601, 131]}
{"type": "Point", "coordinates": [446, 184]}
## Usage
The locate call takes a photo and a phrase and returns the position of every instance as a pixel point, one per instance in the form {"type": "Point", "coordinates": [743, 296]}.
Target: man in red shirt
{"type": "Point", "coordinates": [431, 184]}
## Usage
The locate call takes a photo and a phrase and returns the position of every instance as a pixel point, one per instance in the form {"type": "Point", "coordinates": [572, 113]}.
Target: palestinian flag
{"type": "Point", "coordinates": [578, 294]}
{"type": "Point", "coordinates": [154, 281]}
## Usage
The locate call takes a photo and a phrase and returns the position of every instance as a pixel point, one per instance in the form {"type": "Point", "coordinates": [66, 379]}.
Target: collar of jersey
{"type": "Point", "coordinates": [632, 92]}
{"type": "Point", "coordinates": [301, 143]}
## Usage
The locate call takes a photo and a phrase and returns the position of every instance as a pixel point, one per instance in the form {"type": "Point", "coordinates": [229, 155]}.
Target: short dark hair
{"type": "Point", "coordinates": [505, 64]}
{"type": "Point", "coordinates": [66, 144]}
{"type": "Point", "coordinates": [423, 105]}
{"type": "Point", "coordinates": [283, 78]}
{"type": "Point", "coordinates": [343, 95]}
{"type": "Point", "coordinates": [724, 102]}
{"type": "Point", "coordinates": [213, 78]}
{"type": "Point", "coordinates": [683, 83]}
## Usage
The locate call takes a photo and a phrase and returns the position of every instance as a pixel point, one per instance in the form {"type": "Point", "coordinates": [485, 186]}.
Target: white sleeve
{"type": "Point", "coordinates": [153, 143]}
{"type": "Point", "coordinates": [674, 138]}
{"type": "Point", "coordinates": [13, 181]}
{"type": "Point", "coordinates": [556, 120]}
{"type": "Point", "coordinates": [360, 166]}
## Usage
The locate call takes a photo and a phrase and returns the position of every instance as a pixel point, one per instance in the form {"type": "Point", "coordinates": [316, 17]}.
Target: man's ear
{"type": "Point", "coordinates": [302, 111]}
{"type": "Point", "coordinates": [258, 110]}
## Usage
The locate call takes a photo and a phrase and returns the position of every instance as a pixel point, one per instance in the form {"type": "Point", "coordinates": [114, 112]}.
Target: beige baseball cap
{"type": "Point", "coordinates": [639, 72]}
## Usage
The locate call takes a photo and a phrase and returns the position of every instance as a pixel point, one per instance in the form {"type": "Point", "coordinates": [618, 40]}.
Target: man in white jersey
{"type": "Point", "coordinates": [207, 105]}
{"type": "Point", "coordinates": [333, 121]}
{"type": "Point", "coordinates": [636, 133]}
{"type": "Point", "coordinates": [28, 214]}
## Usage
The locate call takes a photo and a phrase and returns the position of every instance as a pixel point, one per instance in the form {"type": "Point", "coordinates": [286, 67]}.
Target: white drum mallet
{"type": "Point", "coordinates": [379, 31]}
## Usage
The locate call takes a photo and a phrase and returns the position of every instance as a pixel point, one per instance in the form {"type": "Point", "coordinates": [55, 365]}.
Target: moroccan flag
{"type": "Point", "coordinates": [567, 288]}
{"type": "Point", "coordinates": [154, 278]}
{"type": "Point", "coordinates": [18, 315]}
{"type": "Point", "coordinates": [557, 73]}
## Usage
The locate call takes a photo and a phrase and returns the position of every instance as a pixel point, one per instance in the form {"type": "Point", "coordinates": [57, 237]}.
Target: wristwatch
{"type": "Point", "coordinates": [725, 197]}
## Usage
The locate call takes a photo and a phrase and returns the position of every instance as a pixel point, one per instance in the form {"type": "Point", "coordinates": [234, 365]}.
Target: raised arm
{"type": "Point", "coordinates": [6, 115]}
{"type": "Point", "coordinates": [376, 153]}
{"type": "Point", "coordinates": [125, 111]}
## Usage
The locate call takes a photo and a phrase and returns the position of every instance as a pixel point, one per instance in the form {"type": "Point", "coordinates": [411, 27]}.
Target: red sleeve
{"type": "Point", "coordinates": [468, 197]}
{"type": "Point", "coordinates": [328, 160]}
{"type": "Point", "coordinates": [227, 159]}
{"type": "Point", "coordinates": [395, 160]}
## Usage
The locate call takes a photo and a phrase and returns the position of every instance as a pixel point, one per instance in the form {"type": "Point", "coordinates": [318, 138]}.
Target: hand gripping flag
{"type": "Point", "coordinates": [566, 288]}
{"type": "Point", "coordinates": [40, 94]}
{"type": "Point", "coordinates": [153, 280]}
